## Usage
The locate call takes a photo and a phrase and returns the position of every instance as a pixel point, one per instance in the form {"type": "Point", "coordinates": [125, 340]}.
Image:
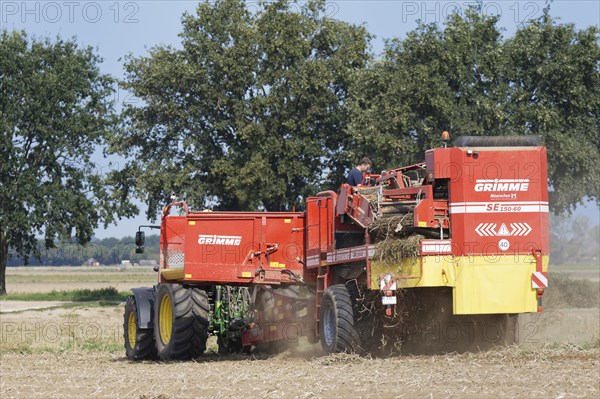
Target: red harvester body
{"type": "Point", "coordinates": [468, 229]}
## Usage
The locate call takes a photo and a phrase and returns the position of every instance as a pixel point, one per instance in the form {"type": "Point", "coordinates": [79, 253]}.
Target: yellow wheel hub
{"type": "Point", "coordinates": [131, 330]}
{"type": "Point", "coordinates": [165, 319]}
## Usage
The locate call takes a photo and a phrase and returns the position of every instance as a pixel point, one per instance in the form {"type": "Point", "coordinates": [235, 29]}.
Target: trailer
{"type": "Point", "coordinates": [442, 255]}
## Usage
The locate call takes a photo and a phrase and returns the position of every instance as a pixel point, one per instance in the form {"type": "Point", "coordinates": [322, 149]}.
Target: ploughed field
{"type": "Point", "coordinates": [74, 349]}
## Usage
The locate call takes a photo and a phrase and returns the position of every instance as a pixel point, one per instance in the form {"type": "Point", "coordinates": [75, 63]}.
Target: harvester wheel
{"type": "Point", "coordinates": [139, 342]}
{"type": "Point", "coordinates": [337, 330]}
{"type": "Point", "coordinates": [180, 322]}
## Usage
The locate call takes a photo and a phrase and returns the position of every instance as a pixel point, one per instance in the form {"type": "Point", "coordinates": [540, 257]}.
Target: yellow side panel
{"type": "Point", "coordinates": [503, 286]}
{"type": "Point", "coordinates": [482, 285]}
{"type": "Point", "coordinates": [435, 271]}
{"type": "Point", "coordinates": [404, 268]}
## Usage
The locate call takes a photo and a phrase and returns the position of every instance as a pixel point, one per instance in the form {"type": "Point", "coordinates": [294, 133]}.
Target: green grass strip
{"type": "Point", "coordinates": [83, 295]}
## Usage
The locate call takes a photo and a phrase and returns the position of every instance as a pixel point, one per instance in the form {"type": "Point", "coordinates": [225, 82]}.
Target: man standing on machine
{"type": "Point", "coordinates": [355, 177]}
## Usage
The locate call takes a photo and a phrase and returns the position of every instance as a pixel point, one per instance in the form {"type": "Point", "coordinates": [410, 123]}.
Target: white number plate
{"type": "Point", "coordinates": [388, 300]}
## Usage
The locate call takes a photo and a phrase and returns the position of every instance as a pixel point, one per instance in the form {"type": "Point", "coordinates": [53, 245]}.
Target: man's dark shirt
{"type": "Point", "coordinates": [355, 177]}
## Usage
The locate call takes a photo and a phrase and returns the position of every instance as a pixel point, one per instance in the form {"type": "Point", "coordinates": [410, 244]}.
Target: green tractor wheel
{"type": "Point", "coordinates": [139, 342]}
{"type": "Point", "coordinates": [180, 322]}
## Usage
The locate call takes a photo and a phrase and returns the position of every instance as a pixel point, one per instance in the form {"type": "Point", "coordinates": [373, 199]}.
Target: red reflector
{"type": "Point", "coordinates": [389, 293]}
{"type": "Point", "coordinates": [388, 312]}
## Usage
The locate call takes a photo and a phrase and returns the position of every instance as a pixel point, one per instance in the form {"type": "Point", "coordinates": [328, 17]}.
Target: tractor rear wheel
{"type": "Point", "coordinates": [337, 329]}
{"type": "Point", "coordinates": [139, 342]}
{"type": "Point", "coordinates": [180, 322]}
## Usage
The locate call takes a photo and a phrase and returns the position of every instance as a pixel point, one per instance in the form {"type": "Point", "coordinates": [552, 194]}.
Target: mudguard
{"type": "Point", "coordinates": [144, 301]}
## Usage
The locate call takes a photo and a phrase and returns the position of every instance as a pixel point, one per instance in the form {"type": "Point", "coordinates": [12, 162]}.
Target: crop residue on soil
{"type": "Point", "coordinates": [509, 372]}
{"type": "Point", "coordinates": [76, 351]}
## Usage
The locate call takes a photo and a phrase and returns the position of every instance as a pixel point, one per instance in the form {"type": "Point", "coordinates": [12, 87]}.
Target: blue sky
{"type": "Point", "coordinates": [118, 28]}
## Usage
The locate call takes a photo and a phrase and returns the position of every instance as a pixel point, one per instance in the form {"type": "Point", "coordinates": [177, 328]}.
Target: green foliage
{"type": "Point", "coordinates": [55, 109]}
{"type": "Point", "coordinates": [261, 110]}
{"type": "Point", "coordinates": [544, 81]}
{"type": "Point", "coordinates": [83, 295]}
{"type": "Point", "coordinates": [555, 93]}
{"type": "Point", "coordinates": [92, 345]}
{"type": "Point", "coordinates": [250, 113]}
{"type": "Point", "coordinates": [433, 80]}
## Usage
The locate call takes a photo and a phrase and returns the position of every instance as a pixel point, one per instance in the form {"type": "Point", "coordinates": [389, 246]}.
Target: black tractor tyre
{"type": "Point", "coordinates": [337, 329]}
{"type": "Point", "coordinates": [181, 318]}
{"type": "Point", "coordinates": [139, 342]}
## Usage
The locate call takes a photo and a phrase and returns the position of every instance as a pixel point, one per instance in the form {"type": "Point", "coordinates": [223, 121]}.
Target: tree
{"type": "Point", "coordinates": [250, 113]}
{"type": "Point", "coordinates": [55, 108]}
{"type": "Point", "coordinates": [544, 81]}
{"type": "Point", "coordinates": [433, 80]}
{"type": "Point", "coordinates": [554, 72]}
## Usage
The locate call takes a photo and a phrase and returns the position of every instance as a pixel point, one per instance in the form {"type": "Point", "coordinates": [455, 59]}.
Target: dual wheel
{"type": "Point", "coordinates": [179, 326]}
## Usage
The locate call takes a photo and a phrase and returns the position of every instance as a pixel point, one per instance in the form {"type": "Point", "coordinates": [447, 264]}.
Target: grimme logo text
{"type": "Point", "coordinates": [204, 239]}
{"type": "Point", "coordinates": [502, 185]}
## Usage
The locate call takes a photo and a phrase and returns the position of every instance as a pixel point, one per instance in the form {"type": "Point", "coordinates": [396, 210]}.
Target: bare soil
{"type": "Point", "coordinates": [76, 351]}
{"type": "Point", "coordinates": [505, 373]}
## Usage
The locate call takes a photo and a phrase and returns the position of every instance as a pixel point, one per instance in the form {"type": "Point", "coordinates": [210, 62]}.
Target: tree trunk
{"type": "Point", "coordinates": [3, 261]}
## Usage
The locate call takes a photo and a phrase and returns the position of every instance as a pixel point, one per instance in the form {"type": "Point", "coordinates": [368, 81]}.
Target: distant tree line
{"type": "Point", "coordinates": [107, 251]}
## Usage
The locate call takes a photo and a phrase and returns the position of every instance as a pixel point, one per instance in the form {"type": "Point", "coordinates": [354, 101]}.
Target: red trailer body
{"type": "Point", "coordinates": [232, 247]}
